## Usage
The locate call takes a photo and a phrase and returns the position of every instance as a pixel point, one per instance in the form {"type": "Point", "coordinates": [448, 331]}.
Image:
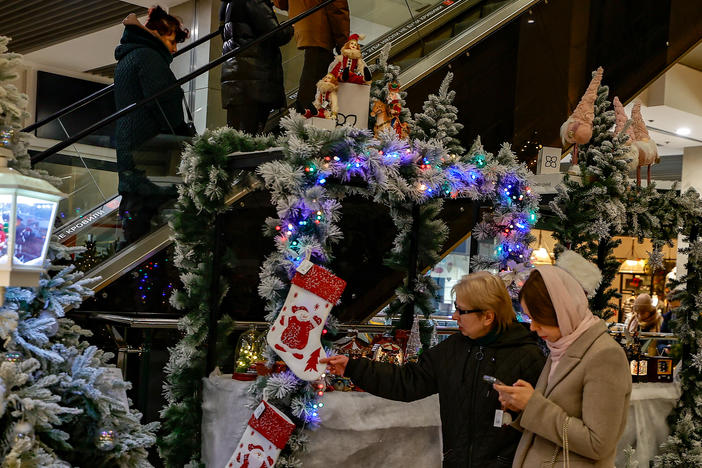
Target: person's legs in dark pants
{"type": "Point", "coordinates": [249, 117]}
{"type": "Point", "coordinates": [316, 64]}
{"type": "Point", "coordinates": [141, 201]}
{"type": "Point", "coordinates": [244, 118]}
{"type": "Point", "coordinates": [136, 219]}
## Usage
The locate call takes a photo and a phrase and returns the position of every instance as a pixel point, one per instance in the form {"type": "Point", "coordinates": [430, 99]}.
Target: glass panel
{"type": "Point", "coordinates": [34, 220]}
{"type": "Point", "coordinates": [6, 213]}
{"type": "Point", "coordinates": [101, 201]}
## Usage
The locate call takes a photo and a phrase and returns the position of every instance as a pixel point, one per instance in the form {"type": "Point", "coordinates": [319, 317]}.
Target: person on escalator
{"type": "Point", "coordinates": [252, 81]}
{"type": "Point", "coordinates": [475, 431]}
{"type": "Point", "coordinates": [317, 35]}
{"type": "Point", "coordinates": [143, 59]}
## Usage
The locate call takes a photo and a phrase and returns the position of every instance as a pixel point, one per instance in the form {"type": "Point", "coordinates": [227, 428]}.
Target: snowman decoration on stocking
{"type": "Point", "coordinates": [296, 332]}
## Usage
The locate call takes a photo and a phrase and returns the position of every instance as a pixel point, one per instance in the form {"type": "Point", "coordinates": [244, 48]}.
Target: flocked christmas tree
{"type": "Point", "coordinates": [13, 112]}
{"type": "Point", "coordinates": [590, 210]}
{"type": "Point", "coordinates": [439, 119]}
{"type": "Point", "coordinates": [683, 447]}
{"type": "Point", "coordinates": [509, 224]}
{"type": "Point", "coordinates": [387, 74]}
{"type": "Point", "coordinates": [61, 404]}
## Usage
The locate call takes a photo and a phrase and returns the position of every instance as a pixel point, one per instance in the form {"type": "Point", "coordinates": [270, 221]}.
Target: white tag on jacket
{"type": "Point", "coordinates": [498, 418]}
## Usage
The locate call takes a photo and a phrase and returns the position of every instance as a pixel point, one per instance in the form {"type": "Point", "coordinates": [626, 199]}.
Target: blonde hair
{"type": "Point", "coordinates": [483, 290]}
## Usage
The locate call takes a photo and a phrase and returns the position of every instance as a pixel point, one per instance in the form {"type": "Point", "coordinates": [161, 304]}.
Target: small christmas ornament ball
{"type": "Point", "coordinates": [106, 439]}
{"type": "Point", "coordinates": [13, 356]}
{"type": "Point", "coordinates": [23, 430]}
{"type": "Point", "coordinates": [7, 137]}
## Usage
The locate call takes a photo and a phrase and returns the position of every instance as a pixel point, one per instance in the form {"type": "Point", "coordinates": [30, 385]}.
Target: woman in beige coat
{"type": "Point", "coordinates": [577, 412]}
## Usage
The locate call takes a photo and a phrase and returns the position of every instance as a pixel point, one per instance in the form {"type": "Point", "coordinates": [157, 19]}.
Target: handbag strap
{"type": "Point", "coordinates": [566, 450]}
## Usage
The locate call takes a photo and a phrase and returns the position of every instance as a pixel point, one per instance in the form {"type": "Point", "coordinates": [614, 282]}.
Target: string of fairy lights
{"type": "Point", "coordinates": [427, 172]}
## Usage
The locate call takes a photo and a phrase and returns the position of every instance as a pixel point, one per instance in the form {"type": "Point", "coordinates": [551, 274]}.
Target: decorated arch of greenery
{"type": "Point", "coordinates": [319, 169]}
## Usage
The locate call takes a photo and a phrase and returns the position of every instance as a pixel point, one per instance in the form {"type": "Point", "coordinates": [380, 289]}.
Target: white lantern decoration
{"type": "Point", "coordinates": [27, 210]}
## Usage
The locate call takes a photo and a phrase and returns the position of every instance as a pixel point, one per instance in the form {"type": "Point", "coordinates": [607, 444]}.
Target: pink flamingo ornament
{"type": "Point", "coordinates": [578, 128]}
{"type": "Point", "coordinates": [631, 152]}
{"type": "Point", "coordinates": [648, 152]}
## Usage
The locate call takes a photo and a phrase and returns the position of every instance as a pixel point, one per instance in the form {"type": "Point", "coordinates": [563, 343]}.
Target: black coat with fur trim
{"type": "Point", "coordinates": [257, 72]}
{"type": "Point", "coordinates": [454, 369]}
{"type": "Point", "coordinates": [143, 69]}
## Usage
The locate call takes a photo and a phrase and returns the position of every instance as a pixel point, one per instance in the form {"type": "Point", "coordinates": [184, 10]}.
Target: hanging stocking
{"type": "Point", "coordinates": [295, 334]}
{"type": "Point", "coordinates": [265, 436]}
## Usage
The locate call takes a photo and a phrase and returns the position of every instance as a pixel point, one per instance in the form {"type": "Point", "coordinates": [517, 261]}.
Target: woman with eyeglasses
{"type": "Point", "coordinates": [475, 431]}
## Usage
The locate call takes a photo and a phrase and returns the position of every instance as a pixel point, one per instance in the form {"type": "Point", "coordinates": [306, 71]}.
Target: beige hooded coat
{"type": "Point", "coordinates": [590, 388]}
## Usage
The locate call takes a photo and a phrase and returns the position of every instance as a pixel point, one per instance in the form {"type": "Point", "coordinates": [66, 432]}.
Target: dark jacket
{"type": "Point", "coordinates": [455, 368]}
{"type": "Point", "coordinates": [256, 73]}
{"type": "Point", "coordinates": [143, 69]}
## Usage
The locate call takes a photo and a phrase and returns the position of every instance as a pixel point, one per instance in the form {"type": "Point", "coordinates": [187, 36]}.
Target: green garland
{"type": "Point", "coordinates": [683, 448]}
{"type": "Point", "coordinates": [202, 198]}
{"type": "Point", "coordinates": [322, 167]}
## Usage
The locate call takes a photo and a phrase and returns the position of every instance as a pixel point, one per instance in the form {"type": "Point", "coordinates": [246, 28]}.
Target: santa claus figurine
{"type": "Point", "coordinates": [394, 99]}
{"type": "Point", "coordinates": [349, 67]}
{"type": "Point", "coordinates": [325, 102]}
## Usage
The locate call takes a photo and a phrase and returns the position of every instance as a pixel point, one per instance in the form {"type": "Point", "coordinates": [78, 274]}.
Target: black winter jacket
{"type": "Point", "coordinates": [143, 69]}
{"type": "Point", "coordinates": [256, 73]}
{"type": "Point", "coordinates": [455, 368]}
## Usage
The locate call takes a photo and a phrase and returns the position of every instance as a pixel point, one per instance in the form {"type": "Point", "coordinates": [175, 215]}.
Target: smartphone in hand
{"type": "Point", "coordinates": [493, 380]}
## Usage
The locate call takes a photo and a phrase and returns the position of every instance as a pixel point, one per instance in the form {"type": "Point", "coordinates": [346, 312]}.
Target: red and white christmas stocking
{"type": "Point", "coordinates": [265, 436]}
{"type": "Point", "coordinates": [295, 334]}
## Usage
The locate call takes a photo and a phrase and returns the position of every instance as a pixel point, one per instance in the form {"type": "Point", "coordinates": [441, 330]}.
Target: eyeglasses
{"type": "Point", "coordinates": [466, 311]}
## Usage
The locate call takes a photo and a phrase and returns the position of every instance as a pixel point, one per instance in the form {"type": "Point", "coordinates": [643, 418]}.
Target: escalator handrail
{"type": "Point", "coordinates": [194, 74]}
{"type": "Point", "coordinates": [99, 93]}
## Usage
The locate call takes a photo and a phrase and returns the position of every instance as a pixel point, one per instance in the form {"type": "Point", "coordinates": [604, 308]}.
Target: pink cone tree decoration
{"type": "Point", "coordinates": [632, 152]}
{"type": "Point", "coordinates": [577, 129]}
{"type": "Point", "coordinates": [648, 152]}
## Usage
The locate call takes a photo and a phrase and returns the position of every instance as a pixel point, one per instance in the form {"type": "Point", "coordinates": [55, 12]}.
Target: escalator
{"type": "Point", "coordinates": [414, 29]}
{"type": "Point", "coordinates": [514, 63]}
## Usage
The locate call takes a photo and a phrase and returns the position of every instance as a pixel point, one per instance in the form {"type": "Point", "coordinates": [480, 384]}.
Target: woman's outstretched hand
{"type": "Point", "coordinates": [335, 364]}
{"type": "Point", "coordinates": [515, 397]}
